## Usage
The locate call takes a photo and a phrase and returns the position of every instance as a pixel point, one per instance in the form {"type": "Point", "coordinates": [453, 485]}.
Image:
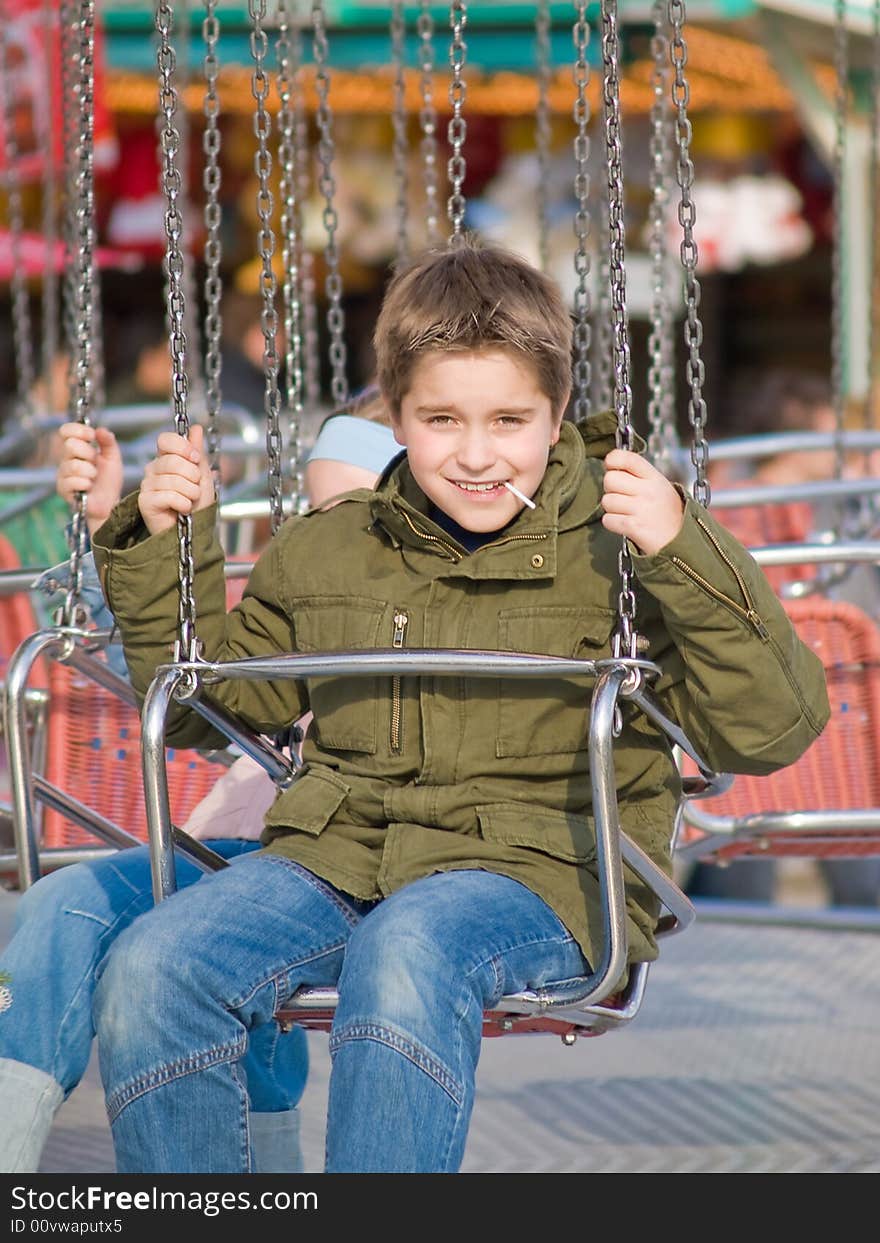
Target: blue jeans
{"type": "Point", "coordinates": [185, 985]}
{"type": "Point", "coordinates": [65, 925]}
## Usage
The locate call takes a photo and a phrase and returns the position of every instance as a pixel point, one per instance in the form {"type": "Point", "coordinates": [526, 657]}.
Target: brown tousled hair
{"type": "Point", "coordinates": [472, 296]}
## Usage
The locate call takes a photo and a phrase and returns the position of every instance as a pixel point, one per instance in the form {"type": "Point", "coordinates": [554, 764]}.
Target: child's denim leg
{"type": "Point", "coordinates": [418, 973]}
{"type": "Point", "coordinates": [180, 991]}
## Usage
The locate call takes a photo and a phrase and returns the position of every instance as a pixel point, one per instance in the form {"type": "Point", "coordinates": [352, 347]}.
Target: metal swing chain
{"type": "Point", "coordinates": [838, 293]}
{"type": "Point", "coordinates": [82, 371]}
{"type": "Point", "coordinates": [542, 129]}
{"type": "Point", "coordinates": [69, 26]}
{"type": "Point", "coordinates": [21, 316]}
{"type": "Point", "coordinates": [428, 123]}
{"type": "Point", "coordinates": [457, 129]}
{"type": "Point", "coordinates": [625, 638]}
{"type": "Point", "coordinates": [602, 367]}
{"type": "Point", "coordinates": [266, 244]}
{"type": "Point", "coordinates": [211, 181]}
{"type": "Point", "coordinates": [693, 330]}
{"type": "Point", "coordinates": [582, 330]}
{"type": "Point", "coordinates": [326, 152]}
{"type": "Point", "coordinates": [186, 647]}
{"type": "Point", "coordinates": [662, 440]}
{"type": "Point", "coordinates": [400, 146]}
{"type": "Point", "coordinates": [305, 261]}
{"type": "Point", "coordinates": [290, 249]}
{"type": "Point", "coordinates": [196, 384]}
{"type": "Point", "coordinates": [49, 217]}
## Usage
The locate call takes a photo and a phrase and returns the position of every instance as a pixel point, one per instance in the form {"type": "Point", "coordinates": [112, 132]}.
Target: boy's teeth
{"type": "Point", "coordinates": [478, 487]}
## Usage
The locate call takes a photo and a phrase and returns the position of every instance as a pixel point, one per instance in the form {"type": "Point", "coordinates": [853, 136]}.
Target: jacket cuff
{"type": "Point", "coordinates": [123, 549]}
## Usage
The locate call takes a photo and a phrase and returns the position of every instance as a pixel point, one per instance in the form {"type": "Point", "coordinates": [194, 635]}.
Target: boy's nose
{"type": "Point", "coordinates": [475, 453]}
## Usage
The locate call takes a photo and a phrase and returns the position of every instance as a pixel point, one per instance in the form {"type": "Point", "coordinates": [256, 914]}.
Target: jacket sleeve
{"type": "Point", "coordinates": [749, 694]}
{"type": "Point", "coordinates": [139, 577]}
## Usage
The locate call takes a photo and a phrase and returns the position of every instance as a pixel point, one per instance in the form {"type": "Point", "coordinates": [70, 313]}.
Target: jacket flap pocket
{"type": "Point", "coordinates": [560, 834]}
{"type": "Point", "coordinates": [336, 623]}
{"type": "Point", "coordinates": [554, 630]}
{"type": "Point", "coordinates": [310, 803]}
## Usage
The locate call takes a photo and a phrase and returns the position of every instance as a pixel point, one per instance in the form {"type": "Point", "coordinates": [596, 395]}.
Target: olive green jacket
{"type": "Point", "coordinates": [408, 776]}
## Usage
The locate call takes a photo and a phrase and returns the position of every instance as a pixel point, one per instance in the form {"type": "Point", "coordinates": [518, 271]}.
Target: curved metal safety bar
{"type": "Point", "coordinates": [817, 553]}
{"type": "Point", "coordinates": [612, 848]}
{"type": "Point", "coordinates": [26, 578]}
{"type": "Point", "coordinates": [713, 782]}
{"type": "Point", "coordinates": [818, 490]}
{"type": "Point", "coordinates": [769, 445]}
{"type": "Point", "coordinates": [14, 477]}
{"type": "Point", "coordinates": [823, 826]}
{"type": "Point", "coordinates": [44, 642]}
{"type": "Point", "coordinates": [424, 662]}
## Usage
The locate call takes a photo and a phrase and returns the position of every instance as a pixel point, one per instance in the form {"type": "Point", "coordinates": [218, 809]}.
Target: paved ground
{"type": "Point", "coordinates": [755, 1050]}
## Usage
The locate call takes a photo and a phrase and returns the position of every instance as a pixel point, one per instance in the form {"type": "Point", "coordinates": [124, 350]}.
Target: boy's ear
{"type": "Point", "coordinates": [397, 429]}
{"type": "Point", "coordinates": [556, 426]}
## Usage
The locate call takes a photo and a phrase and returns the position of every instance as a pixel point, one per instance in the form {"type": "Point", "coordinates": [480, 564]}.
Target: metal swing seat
{"type": "Point", "coordinates": [601, 1004]}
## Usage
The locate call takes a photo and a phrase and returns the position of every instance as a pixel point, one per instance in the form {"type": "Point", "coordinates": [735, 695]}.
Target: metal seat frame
{"type": "Point", "coordinates": [600, 1003]}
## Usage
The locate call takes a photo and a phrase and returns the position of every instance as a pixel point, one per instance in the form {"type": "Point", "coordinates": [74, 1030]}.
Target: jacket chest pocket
{"type": "Point", "coordinates": [345, 708]}
{"type": "Point", "coordinates": [549, 716]}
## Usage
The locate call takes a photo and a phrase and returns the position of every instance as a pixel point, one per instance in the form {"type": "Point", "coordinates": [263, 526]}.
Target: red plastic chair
{"type": "Point", "coordinates": [839, 772]}
{"type": "Point", "coordinates": [94, 753]}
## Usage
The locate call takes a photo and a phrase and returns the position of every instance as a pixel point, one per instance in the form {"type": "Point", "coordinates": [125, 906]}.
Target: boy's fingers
{"type": "Point", "coordinates": [621, 481]}
{"type": "Point", "coordinates": [170, 443]}
{"type": "Point", "coordinates": [627, 460]}
{"type": "Point", "coordinates": [165, 482]}
{"type": "Point", "coordinates": [173, 464]}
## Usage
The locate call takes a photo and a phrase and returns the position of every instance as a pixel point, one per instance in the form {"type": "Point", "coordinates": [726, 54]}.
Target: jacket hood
{"type": "Point", "coordinates": [569, 494]}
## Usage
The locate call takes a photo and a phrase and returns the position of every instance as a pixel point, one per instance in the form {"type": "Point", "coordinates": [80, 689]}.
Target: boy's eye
{"type": "Point", "coordinates": [440, 419]}
{"type": "Point", "coordinates": [510, 420]}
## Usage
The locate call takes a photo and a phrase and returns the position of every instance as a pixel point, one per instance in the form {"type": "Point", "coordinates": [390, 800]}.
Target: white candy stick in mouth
{"type": "Point", "coordinates": [520, 496]}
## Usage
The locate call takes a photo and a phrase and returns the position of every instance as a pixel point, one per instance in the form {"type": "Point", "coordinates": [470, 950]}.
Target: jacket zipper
{"type": "Point", "coordinates": [433, 538]}
{"type": "Point", "coordinates": [401, 621]}
{"type": "Point", "coordinates": [749, 613]}
{"type": "Point", "coordinates": [511, 539]}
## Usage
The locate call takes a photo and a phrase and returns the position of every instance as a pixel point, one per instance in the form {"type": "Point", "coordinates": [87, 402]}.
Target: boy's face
{"type": "Point", "coordinates": [470, 422]}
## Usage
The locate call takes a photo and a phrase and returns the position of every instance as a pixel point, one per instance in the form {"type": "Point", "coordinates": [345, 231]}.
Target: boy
{"type": "Point", "coordinates": [436, 852]}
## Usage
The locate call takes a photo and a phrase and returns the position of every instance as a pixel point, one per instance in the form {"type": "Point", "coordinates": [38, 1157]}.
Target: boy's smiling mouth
{"type": "Point", "coordinates": [478, 489]}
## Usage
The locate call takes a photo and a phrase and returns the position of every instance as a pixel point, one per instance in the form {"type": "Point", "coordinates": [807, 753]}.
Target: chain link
{"type": "Point", "coordinates": [542, 129]}
{"type": "Point", "coordinates": [625, 639]}
{"type": "Point", "coordinates": [290, 241]}
{"type": "Point", "coordinates": [69, 50]}
{"type": "Point", "coordinates": [603, 357]}
{"type": "Point", "coordinates": [21, 316]}
{"type": "Point", "coordinates": [305, 259]}
{"type": "Point", "coordinates": [428, 123]}
{"type": "Point", "coordinates": [457, 129]}
{"type": "Point", "coordinates": [82, 369]}
{"type": "Point", "coordinates": [266, 246]}
{"type": "Point", "coordinates": [211, 181]}
{"type": "Point", "coordinates": [49, 217]}
{"type": "Point", "coordinates": [693, 329]}
{"type": "Point", "coordinates": [169, 145]}
{"type": "Point", "coordinates": [327, 185]}
{"type": "Point", "coordinates": [400, 146]}
{"type": "Point", "coordinates": [582, 332]}
{"type": "Point", "coordinates": [662, 440]}
{"type": "Point", "coordinates": [196, 386]}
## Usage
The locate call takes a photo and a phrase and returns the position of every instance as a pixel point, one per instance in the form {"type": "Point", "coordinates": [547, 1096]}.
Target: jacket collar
{"type": "Point", "coordinates": [569, 496]}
